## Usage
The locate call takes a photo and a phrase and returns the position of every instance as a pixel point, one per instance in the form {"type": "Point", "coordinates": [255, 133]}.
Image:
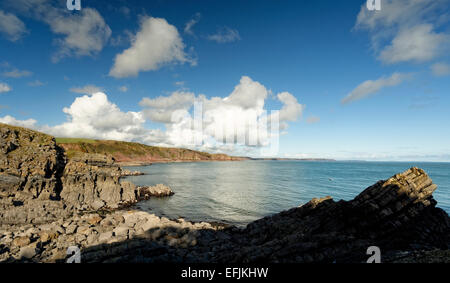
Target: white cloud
{"type": "Point", "coordinates": [191, 23]}
{"type": "Point", "coordinates": [161, 109]}
{"type": "Point", "coordinates": [233, 118]}
{"type": "Point", "coordinates": [291, 109]}
{"type": "Point", "coordinates": [84, 33]}
{"type": "Point", "coordinates": [4, 87]}
{"type": "Point", "coordinates": [30, 123]}
{"type": "Point", "coordinates": [415, 44]}
{"type": "Point", "coordinates": [440, 69]}
{"type": "Point", "coordinates": [15, 73]}
{"type": "Point", "coordinates": [225, 35]}
{"type": "Point", "coordinates": [406, 31]}
{"type": "Point", "coordinates": [87, 89]}
{"type": "Point", "coordinates": [370, 87]}
{"type": "Point", "coordinates": [11, 26]}
{"type": "Point", "coordinates": [94, 116]}
{"type": "Point", "coordinates": [156, 44]}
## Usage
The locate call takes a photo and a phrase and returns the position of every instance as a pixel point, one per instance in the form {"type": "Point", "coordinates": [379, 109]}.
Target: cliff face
{"type": "Point", "coordinates": [134, 153]}
{"type": "Point", "coordinates": [38, 183]}
{"type": "Point", "coordinates": [31, 160]}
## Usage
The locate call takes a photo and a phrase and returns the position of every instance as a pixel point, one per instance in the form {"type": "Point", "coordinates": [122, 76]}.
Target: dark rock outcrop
{"type": "Point", "coordinates": [396, 214]}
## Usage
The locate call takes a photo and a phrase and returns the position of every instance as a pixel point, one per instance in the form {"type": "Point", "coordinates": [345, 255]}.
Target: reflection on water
{"type": "Point", "coordinates": [240, 192]}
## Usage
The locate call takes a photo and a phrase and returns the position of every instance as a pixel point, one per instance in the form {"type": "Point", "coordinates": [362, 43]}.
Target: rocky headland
{"type": "Point", "coordinates": [51, 200]}
{"type": "Point", "coordinates": [135, 154]}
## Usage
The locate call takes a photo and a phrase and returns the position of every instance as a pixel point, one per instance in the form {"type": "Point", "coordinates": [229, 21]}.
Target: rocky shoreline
{"type": "Point", "coordinates": [49, 202]}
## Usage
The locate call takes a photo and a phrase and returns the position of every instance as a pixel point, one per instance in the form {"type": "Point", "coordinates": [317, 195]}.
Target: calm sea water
{"type": "Point", "coordinates": [240, 192]}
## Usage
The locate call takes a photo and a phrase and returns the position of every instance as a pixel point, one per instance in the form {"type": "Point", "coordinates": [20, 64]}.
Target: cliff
{"type": "Point", "coordinates": [38, 183]}
{"type": "Point", "coordinates": [136, 154]}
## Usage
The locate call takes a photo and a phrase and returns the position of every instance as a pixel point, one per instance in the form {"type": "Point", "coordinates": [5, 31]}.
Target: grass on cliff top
{"type": "Point", "coordinates": [125, 148]}
{"type": "Point", "coordinates": [73, 140]}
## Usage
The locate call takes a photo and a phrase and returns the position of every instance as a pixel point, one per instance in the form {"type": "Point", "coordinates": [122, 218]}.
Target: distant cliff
{"type": "Point", "coordinates": [136, 154]}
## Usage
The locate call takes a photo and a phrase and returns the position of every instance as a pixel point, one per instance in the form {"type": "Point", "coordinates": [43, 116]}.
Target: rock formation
{"type": "Point", "coordinates": [396, 214]}
{"type": "Point", "coordinates": [38, 183]}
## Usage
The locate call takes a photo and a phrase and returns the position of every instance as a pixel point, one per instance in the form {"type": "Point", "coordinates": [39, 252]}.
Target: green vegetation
{"type": "Point", "coordinates": [129, 151]}
{"type": "Point", "coordinates": [73, 140]}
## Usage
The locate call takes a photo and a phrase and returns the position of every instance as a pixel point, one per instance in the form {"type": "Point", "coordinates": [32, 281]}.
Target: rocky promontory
{"type": "Point", "coordinates": [50, 201]}
{"type": "Point", "coordinates": [135, 154]}
{"type": "Point", "coordinates": [40, 183]}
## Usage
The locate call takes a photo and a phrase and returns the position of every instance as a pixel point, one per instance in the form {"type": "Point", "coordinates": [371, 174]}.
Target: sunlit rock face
{"type": "Point", "coordinates": [38, 183]}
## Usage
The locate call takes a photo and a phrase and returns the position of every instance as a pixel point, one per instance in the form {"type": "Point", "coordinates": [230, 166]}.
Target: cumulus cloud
{"type": "Point", "coordinates": [236, 123]}
{"type": "Point", "coordinates": [229, 120]}
{"type": "Point", "coordinates": [4, 87]}
{"type": "Point", "coordinates": [406, 31]}
{"type": "Point", "coordinates": [291, 109]}
{"type": "Point", "coordinates": [225, 35]}
{"type": "Point", "coordinates": [191, 23]}
{"type": "Point", "coordinates": [162, 109]}
{"type": "Point", "coordinates": [370, 87]}
{"type": "Point", "coordinates": [94, 116]}
{"type": "Point", "coordinates": [30, 123]}
{"type": "Point", "coordinates": [84, 33]}
{"type": "Point", "coordinates": [440, 69]}
{"type": "Point", "coordinates": [157, 43]}
{"type": "Point", "coordinates": [11, 26]}
{"type": "Point", "coordinates": [87, 89]}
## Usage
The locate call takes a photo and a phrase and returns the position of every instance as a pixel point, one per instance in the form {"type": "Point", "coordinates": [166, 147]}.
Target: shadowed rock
{"type": "Point", "coordinates": [396, 214]}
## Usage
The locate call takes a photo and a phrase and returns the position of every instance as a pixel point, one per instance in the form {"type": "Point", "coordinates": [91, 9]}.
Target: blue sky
{"type": "Point", "coordinates": [356, 84]}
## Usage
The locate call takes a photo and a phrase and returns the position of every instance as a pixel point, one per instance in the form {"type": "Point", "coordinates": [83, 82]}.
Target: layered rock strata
{"type": "Point", "coordinates": [38, 183]}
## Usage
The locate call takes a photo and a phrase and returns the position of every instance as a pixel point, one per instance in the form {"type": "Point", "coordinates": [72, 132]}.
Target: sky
{"type": "Point", "coordinates": [338, 80]}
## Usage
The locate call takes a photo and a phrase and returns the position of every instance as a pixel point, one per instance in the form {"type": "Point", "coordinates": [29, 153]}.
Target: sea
{"type": "Point", "coordinates": [240, 192]}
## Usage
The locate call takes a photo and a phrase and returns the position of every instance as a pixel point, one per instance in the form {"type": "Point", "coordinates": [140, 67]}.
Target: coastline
{"type": "Point", "coordinates": [50, 202]}
{"type": "Point", "coordinates": [149, 163]}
